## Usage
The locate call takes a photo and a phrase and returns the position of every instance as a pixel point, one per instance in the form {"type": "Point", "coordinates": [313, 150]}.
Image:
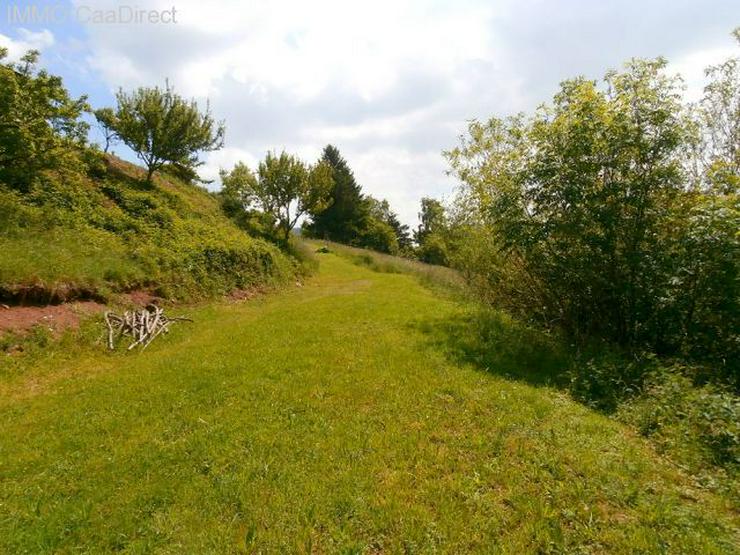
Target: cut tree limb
{"type": "Point", "coordinates": [143, 326]}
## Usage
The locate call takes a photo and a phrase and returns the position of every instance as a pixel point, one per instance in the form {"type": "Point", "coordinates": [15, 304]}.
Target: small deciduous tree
{"type": "Point", "coordinates": [284, 188]}
{"type": "Point", "coordinates": [106, 119]}
{"type": "Point", "coordinates": [719, 127]}
{"type": "Point", "coordinates": [162, 127]}
{"type": "Point", "coordinates": [429, 236]}
{"type": "Point", "coordinates": [378, 232]}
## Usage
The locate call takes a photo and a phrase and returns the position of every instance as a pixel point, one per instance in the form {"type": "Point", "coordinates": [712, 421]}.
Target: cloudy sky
{"type": "Point", "coordinates": [391, 83]}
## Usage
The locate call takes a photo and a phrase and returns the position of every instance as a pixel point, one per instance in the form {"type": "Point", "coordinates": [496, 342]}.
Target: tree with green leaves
{"type": "Point", "coordinates": [162, 127]}
{"type": "Point", "coordinates": [344, 219]}
{"type": "Point", "coordinates": [579, 199]}
{"type": "Point", "coordinates": [402, 231]}
{"type": "Point", "coordinates": [377, 232]}
{"type": "Point", "coordinates": [284, 188]}
{"type": "Point", "coordinates": [430, 234]}
{"type": "Point", "coordinates": [719, 127]}
{"type": "Point", "coordinates": [432, 219]}
{"type": "Point", "coordinates": [106, 118]}
{"type": "Point", "coordinates": [40, 125]}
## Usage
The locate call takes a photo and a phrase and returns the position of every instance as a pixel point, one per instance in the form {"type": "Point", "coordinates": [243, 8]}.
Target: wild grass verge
{"type": "Point", "coordinates": [438, 277]}
{"type": "Point", "coordinates": [687, 418]}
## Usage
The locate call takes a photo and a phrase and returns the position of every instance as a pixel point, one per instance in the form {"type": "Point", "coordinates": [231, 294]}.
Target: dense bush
{"type": "Point", "coordinates": [699, 425]}
{"type": "Point", "coordinates": [594, 224]}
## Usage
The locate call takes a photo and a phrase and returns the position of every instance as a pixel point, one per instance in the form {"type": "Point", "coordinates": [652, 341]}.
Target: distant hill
{"type": "Point", "coordinates": [100, 229]}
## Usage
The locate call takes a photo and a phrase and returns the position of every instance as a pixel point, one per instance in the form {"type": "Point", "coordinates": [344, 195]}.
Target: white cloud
{"type": "Point", "coordinates": [692, 65]}
{"type": "Point", "coordinates": [391, 82]}
{"type": "Point", "coordinates": [27, 40]}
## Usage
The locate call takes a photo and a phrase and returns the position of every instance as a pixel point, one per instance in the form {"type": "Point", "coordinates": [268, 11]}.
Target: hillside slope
{"type": "Point", "coordinates": [328, 418]}
{"type": "Point", "coordinates": [87, 233]}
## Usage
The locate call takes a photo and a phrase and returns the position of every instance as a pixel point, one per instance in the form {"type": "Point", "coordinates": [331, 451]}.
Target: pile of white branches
{"type": "Point", "coordinates": [142, 326]}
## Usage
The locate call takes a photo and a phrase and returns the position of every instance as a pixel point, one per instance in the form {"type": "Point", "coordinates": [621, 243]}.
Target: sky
{"type": "Point", "coordinates": [391, 83]}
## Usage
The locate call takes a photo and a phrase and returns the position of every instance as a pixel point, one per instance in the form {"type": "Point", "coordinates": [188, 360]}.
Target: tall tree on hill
{"type": "Point", "coordinates": [344, 219]}
{"type": "Point", "coordinates": [403, 234]}
{"type": "Point", "coordinates": [432, 218]}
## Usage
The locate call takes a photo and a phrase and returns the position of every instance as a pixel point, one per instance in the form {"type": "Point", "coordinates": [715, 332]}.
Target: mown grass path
{"type": "Point", "coordinates": [326, 419]}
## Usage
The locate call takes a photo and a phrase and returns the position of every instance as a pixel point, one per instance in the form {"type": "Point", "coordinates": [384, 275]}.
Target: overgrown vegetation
{"type": "Point", "coordinates": [595, 224]}
{"type": "Point", "coordinates": [609, 222]}
{"type": "Point", "coordinates": [355, 219]}
{"type": "Point", "coordinates": [75, 223]}
{"type": "Point", "coordinates": [74, 236]}
{"type": "Point", "coordinates": [40, 125]}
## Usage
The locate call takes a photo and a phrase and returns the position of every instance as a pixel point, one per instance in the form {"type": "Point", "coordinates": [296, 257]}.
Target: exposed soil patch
{"type": "Point", "coordinates": [41, 294]}
{"type": "Point", "coordinates": [57, 318]}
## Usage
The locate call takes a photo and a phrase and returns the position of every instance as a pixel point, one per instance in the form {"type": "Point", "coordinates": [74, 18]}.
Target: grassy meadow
{"type": "Point", "coordinates": [336, 417]}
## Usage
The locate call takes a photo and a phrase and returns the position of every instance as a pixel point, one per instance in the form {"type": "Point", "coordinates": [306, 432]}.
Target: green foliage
{"type": "Point", "coordinates": [305, 254]}
{"type": "Point", "coordinates": [697, 425]}
{"type": "Point", "coordinates": [379, 236]}
{"type": "Point", "coordinates": [40, 126]}
{"type": "Point", "coordinates": [375, 235]}
{"type": "Point", "coordinates": [344, 218]}
{"type": "Point", "coordinates": [284, 189]}
{"type": "Point", "coordinates": [160, 126]}
{"type": "Point", "coordinates": [432, 219]}
{"type": "Point", "coordinates": [107, 123]}
{"type": "Point", "coordinates": [717, 157]}
{"type": "Point", "coordinates": [354, 219]}
{"type": "Point", "coordinates": [591, 224]}
{"type": "Point", "coordinates": [699, 308]}
{"type": "Point", "coordinates": [71, 236]}
{"type": "Point", "coordinates": [432, 235]}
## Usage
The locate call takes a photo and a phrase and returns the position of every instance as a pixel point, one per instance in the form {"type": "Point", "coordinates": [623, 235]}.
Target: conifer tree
{"type": "Point", "coordinates": [345, 218]}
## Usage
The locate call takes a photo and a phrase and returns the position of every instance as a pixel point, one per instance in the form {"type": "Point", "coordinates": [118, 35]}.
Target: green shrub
{"type": "Point", "coordinates": [699, 425]}
{"type": "Point", "coordinates": [603, 377]}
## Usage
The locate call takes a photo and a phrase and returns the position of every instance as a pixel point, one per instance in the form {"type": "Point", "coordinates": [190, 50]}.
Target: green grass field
{"type": "Point", "coordinates": [330, 418]}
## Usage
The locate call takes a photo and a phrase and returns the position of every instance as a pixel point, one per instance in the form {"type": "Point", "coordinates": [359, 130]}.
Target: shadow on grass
{"type": "Point", "coordinates": [493, 342]}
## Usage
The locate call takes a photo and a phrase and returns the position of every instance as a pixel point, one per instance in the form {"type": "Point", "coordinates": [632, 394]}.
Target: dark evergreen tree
{"type": "Point", "coordinates": [403, 235]}
{"type": "Point", "coordinates": [345, 218]}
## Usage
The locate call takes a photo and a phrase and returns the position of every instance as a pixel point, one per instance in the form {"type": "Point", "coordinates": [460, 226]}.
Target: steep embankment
{"type": "Point", "coordinates": [335, 417]}
{"type": "Point", "coordinates": [88, 234]}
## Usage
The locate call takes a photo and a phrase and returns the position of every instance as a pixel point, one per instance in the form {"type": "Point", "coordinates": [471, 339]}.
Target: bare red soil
{"type": "Point", "coordinates": [57, 318]}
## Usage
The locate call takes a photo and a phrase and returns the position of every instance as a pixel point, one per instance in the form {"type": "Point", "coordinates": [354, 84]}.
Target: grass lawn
{"type": "Point", "coordinates": [327, 418]}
